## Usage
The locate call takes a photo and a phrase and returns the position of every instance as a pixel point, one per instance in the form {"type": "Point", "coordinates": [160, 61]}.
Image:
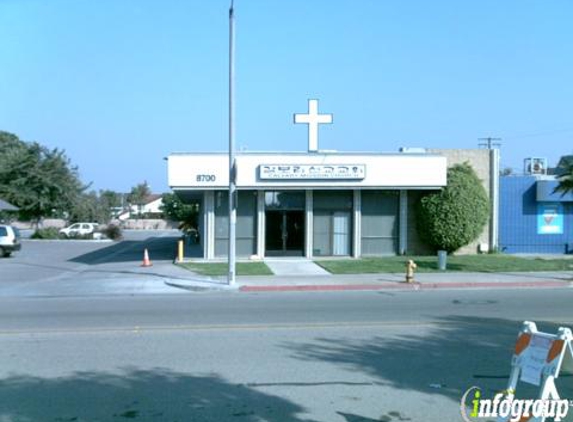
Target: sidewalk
{"type": "Point", "coordinates": [381, 281]}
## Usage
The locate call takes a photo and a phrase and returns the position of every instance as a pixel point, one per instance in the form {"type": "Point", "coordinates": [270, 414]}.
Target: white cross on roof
{"type": "Point", "coordinates": [313, 119]}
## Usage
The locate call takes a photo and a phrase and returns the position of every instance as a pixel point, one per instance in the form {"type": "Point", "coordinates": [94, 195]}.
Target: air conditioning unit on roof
{"type": "Point", "coordinates": [535, 165]}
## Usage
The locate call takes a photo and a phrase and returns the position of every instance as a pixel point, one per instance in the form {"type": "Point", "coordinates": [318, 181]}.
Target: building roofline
{"type": "Point", "coordinates": [302, 188]}
{"type": "Point", "coordinates": [317, 154]}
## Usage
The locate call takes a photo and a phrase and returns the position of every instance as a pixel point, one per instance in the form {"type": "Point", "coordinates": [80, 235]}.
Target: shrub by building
{"type": "Point", "coordinates": [456, 215]}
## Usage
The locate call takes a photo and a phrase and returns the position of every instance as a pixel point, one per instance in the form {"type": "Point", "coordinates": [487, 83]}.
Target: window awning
{"type": "Point", "coordinates": [545, 193]}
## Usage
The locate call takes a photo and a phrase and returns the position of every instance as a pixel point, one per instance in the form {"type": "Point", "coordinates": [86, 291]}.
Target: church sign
{"type": "Point", "coordinates": [312, 171]}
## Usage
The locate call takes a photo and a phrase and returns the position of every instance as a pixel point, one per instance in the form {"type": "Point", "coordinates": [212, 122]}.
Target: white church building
{"type": "Point", "coordinates": [315, 203]}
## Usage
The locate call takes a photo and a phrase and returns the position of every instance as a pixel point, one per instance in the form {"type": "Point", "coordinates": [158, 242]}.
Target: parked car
{"type": "Point", "coordinates": [9, 240]}
{"type": "Point", "coordinates": [79, 229]}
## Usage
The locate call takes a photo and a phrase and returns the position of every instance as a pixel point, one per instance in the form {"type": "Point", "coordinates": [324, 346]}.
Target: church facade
{"type": "Point", "coordinates": [315, 203]}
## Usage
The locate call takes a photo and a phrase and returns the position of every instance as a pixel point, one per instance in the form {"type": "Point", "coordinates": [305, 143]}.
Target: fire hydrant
{"type": "Point", "coordinates": [410, 267]}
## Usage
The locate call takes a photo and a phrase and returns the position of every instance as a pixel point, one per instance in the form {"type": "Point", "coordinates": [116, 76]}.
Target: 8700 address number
{"type": "Point", "coordinates": [206, 178]}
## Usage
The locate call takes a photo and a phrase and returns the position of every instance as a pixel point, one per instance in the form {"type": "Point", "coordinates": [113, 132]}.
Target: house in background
{"type": "Point", "coordinates": [151, 206]}
{"type": "Point", "coordinates": [6, 206]}
{"type": "Point", "coordinates": [7, 211]}
{"type": "Point", "coordinates": [533, 219]}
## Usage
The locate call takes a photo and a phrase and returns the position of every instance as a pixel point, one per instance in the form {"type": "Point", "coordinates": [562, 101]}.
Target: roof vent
{"type": "Point", "coordinates": [410, 150]}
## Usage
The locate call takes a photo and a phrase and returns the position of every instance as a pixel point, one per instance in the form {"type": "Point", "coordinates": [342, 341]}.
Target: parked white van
{"type": "Point", "coordinates": [9, 240]}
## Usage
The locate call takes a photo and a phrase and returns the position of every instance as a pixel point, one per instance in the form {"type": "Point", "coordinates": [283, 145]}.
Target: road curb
{"type": "Point", "coordinates": [404, 286]}
{"type": "Point", "coordinates": [106, 240]}
{"type": "Point", "coordinates": [200, 287]}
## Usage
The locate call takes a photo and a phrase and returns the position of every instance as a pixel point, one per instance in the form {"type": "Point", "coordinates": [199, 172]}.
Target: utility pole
{"type": "Point", "coordinates": [232, 164]}
{"type": "Point", "coordinates": [493, 144]}
{"type": "Point", "coordinates": [489, 142]}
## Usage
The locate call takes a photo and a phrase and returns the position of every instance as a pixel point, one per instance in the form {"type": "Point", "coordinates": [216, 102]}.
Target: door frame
{"type": "Point", "coordinates": [285, 251]}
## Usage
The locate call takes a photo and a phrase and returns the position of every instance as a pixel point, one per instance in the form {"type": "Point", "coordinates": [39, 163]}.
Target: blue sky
{"type": "Point", "coordinates": [120, 84]}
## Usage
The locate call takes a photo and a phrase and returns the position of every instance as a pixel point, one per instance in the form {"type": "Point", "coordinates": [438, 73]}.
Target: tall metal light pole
{"type": "Point", "coordinates": [232, 164]}
{"type": "Point", "coordinates": [493, 145]}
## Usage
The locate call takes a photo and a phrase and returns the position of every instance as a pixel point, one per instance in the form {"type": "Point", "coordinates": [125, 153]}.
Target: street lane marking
{"type": "Point", "coordinates": [223, 327]}
{"type": "Point", "coordinates": [138, 329]}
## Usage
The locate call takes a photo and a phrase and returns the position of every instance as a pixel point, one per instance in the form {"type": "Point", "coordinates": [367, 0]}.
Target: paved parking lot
{"type": "Point", "coordinates": [75, 267]}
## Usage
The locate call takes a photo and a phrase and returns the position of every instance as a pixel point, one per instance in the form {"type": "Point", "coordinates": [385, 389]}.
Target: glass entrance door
{"type": "Point", "coordinates": [284, 233]}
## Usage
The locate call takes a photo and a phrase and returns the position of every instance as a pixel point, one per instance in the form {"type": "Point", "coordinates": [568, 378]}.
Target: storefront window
{"type": "Point", "coordinates": [332, 228]}
{"type": "Point", "coordinates": [380, 211]}
{"type": "Point", "coordinates": [246, 229]}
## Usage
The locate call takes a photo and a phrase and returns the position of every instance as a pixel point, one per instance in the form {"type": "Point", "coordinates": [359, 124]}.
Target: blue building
{"type": "Point", "coordinates": [532, 218]}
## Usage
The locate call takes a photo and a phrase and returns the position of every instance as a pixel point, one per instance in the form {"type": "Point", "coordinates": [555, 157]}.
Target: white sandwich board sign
{"type": "Point", "coordinates": [537, 360]}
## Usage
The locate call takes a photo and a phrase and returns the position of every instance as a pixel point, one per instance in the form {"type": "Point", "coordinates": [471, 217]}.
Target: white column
{"type": "Point", "coordinates": [494, 198]}
{"type": "Point", "coordinates": [357, 224]}
{"type": "Point", "coordinates": [308, 224]}
{"type": "Point", "coordinates": [261, 224]}
{"type": "Point", "coordinates": [202, 221]}
{"type": "Point", "coordinates": [403, 223]}
{"type": "Point", "coordinates": [209, 222]}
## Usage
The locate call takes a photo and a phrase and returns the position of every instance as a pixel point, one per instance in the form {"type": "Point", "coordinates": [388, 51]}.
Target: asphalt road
{"type": "Point", "coordinates": [80, 268]}
{"type": "Point", "coordinates": [351, 356]}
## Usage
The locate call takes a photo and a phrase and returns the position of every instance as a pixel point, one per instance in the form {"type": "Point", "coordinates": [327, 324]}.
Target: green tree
{"type": "Point", "coordinates": [90, 207]}
{"type": "Point", "coordinates": [176, 210]}
{"type": "Point", "coordinates": [111, 199]}
{"type": "Point", "coordinates": [42, 182]}
{"type": "Point", "coordinates": [138, 195]}
{"type": "Point", "coordinates": [507, 171]}
{"type": "Point", "coordinates": [565, 175]}
{"type": "Point", "coordinates": [456, 215]}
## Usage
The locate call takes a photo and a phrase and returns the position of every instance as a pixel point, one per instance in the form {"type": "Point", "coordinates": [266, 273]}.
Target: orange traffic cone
{"type": "Point", "coordinates": [146, 260]}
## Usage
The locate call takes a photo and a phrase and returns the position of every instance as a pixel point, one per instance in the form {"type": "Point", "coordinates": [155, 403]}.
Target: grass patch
{"type": "Point", "coordinates": [222, 268]}
{"type": "Point", "coordinates": [467, 263]}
